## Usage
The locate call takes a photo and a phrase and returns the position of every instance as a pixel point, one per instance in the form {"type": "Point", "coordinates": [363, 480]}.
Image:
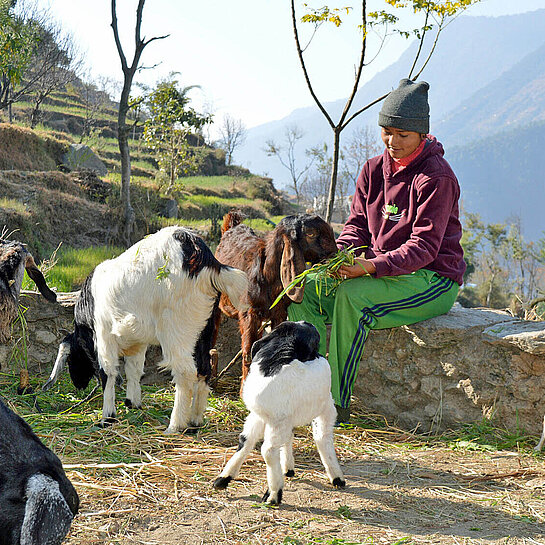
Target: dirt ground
{"type": "Point", "coordinates": [396, 493]}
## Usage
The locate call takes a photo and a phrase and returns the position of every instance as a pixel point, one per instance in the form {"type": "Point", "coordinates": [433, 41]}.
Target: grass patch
{"type": "Point", "coordinates": [14, 205]}
{"type": "Point", "coordinates": [486, 436]}
{"type": "Point", "coordinates": [67, 270]}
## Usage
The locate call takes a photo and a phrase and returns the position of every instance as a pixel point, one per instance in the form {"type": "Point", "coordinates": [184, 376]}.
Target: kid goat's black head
{"type": "Point", "coordinates": [287, 342]}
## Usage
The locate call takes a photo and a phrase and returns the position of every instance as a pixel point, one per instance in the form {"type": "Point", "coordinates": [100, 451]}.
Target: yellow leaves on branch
{"type": "Point", "coordinates": [447, 8]}
{"type": "Point", "coordinates": [324, 14]}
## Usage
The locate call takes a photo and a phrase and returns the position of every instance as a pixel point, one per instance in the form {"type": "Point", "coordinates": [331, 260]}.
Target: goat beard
{"type": "Point", "coordinates": [8, 313]}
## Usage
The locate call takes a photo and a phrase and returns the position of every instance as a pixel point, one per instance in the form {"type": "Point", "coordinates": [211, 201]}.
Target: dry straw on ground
{"type": "Point", "coordinates": [139, 486]}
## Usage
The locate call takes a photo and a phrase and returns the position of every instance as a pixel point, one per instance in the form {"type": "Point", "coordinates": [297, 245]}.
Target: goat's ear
{"type": "Point", "coordinates": [38, 278]}
{"type": "Point", "coordinates": [257, 345]}
{"type": "Point", "coordinates": [291, 265]}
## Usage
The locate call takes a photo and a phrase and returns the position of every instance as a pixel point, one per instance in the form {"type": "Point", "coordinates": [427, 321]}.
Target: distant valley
{"type": "Point", "coordinates": [487, 100]}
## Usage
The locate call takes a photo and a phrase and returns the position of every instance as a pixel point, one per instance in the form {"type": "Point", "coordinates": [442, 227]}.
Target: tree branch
{"type": "Point", "coordinates": [303, 66]}
{"type": "Point", "coordinates": [361, 110]}
{"type": "Point", "coordinates": [360, 66]}
{"type": "Point", "coordinates": [421, 45]}
{"type": "Point", "coordinates": [124, 65]}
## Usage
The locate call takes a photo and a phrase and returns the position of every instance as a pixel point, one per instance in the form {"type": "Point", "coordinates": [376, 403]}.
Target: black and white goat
{"type": "Point", "coordinates": [37, 501]}
{"type": "Point", "coordinates": [289, 385]}
{"type": "Point", "coordinates": [164, 290]}
{"type": "Point", "coordinates": [14, 260]}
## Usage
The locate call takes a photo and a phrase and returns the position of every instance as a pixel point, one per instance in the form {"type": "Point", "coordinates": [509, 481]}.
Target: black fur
{"type": "Point", "coordinates": [241, 441]}
{"type": "Point", "coordinates": [267, 494]}
{"type": "Point", "coordinates": [289, 341]}
{"type": "Point", "coordinates": [82, 361]}
{"type": "Point", "coordinates": [23, 455]}
{"type": "Point", "coordinates": [201, 352]}
{"type": "Point", "coordinates": [221, 483]}
{"type": "Point", "coordinates": [197, 255]}
{"type": "Point", "coordinates": [338, 482]}
{"type": "Point", "coordinates": [11, 255]}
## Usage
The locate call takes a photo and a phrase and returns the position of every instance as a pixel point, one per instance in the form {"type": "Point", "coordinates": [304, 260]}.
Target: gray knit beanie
{"type": "Point", "coordinates": [407, 107]}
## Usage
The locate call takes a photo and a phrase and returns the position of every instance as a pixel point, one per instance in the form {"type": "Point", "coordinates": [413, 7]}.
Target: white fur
{"type": "Point", "coordinates": [145, 297]}
{"type": "Point", "coordinates": [298, 394]}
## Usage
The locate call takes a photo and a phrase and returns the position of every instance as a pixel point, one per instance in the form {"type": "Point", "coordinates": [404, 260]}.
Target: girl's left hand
{"type": "Point", "coordinates": [361, 267]}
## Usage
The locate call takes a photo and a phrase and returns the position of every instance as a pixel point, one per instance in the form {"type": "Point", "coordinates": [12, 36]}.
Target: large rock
{"type": "Point", "coordinates": [457, 368]}
{"type": "Point", "coordinates": [82, 157]}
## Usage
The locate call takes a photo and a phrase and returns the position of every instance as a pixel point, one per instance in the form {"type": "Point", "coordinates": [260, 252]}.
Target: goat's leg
{"type": "Point", "coordinates": [108, 360]}
{"type": "Point", "coordinates": [251, 434]}
{"type": "Point", "coordinates": [286, 458]}
{"type": "Point", "coordinates": [539, 446]}
{"type": "Point", "coordinates": [134, 369]}
{"type": "Point", "coordinates": [322, 430]}
{"type": "Point", "coordinates": [184, 383]}
{"type": "Point", "coordinates": [249, 332]}
{"type": "Point", "coordinates": [275, 438]}
{"type": "Point", "coordinates": [198, 405]}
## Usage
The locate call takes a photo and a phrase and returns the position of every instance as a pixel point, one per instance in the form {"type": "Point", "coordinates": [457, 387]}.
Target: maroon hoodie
{"type": "Point", "coordinates": [408, 219]}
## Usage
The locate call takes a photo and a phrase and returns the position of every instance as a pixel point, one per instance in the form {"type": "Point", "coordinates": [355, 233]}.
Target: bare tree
{"type": "Point", "coordinates": [233, 135]}
{"type": "Point", "coordinates": [362, 145]}
{"type": "Point", "coordinates": [95, 101]}
{"type": "Point", "coordinates": [124, 105]}
{"type": "Point", "coordinates": [37, 57]}
{"type": "Point", "coordinates": [432, 11]}
{"type": "Point", "coordinates": [54, 64]}
{"type": "Point", "coordinates": [286, 156]}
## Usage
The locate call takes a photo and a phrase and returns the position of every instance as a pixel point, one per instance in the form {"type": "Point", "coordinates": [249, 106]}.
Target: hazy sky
{"type": "Point", "coordinates": [241, 52]}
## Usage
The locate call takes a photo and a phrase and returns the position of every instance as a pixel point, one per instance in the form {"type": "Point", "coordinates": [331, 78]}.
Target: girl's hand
{"type": "Point", "coordinates": [361, 267]}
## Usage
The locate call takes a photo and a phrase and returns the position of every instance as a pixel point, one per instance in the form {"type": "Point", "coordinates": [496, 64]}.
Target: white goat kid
{"type": "Point", "coordinates": [163, 290]}
{"type": "Point", "coordinates": [289, 385]}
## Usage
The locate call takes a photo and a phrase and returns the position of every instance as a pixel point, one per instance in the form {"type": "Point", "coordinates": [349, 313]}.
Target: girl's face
{"type": "Point", "coordinates": [400, 143]}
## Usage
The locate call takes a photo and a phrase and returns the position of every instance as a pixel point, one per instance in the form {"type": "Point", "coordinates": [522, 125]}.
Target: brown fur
{"type": "Point", "coordinates": [271, 261]}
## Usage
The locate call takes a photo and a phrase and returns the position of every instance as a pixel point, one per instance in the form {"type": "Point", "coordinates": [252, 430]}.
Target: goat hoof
{"type": "Point", "coordinates": [272, 499]}
{"type": "Point", "coordinates": [290, 473]}
{"type": "Point", "coordinates": [338, 482]}
{"type": "Point", "coordinates": [171, 430]}
{"type": "Point", "coordinates": [129, 404]}
{"type": "Point", "coordinates": [107, 422]}
{"type": "Point", "coordinates": [221, 483]}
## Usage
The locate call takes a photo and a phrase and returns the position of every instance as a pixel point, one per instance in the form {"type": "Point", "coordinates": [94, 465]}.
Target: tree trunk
{"type": "Point", "coordinates": [123, 140]}
{"type": "Point", "coordinates": [334, 173]}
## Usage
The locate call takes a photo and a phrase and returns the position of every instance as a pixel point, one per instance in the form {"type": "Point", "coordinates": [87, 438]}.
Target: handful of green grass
{"type": "Point", "coordinates": [327, 278]}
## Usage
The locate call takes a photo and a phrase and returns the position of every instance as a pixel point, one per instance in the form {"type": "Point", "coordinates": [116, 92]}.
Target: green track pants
{"type": "Point", "coordinates": [361, 304]}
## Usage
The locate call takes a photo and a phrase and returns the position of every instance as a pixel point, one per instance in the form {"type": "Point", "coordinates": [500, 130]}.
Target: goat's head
{"type": "Point", "coordinates": [304, 238]}
{"type": "Point", "coordinates": [14, 260]}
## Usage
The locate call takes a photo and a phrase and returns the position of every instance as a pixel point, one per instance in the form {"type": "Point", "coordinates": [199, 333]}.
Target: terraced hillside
{"type": "Point", "coordinates": [45, 205]}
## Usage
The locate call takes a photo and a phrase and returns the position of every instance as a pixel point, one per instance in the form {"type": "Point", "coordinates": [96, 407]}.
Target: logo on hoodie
{"type": "Point", "coordinates": [390, 212]}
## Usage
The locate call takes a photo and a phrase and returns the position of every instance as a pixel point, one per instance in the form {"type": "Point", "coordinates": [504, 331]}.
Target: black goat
{"type": "Point", "coordinates": [37, 501]}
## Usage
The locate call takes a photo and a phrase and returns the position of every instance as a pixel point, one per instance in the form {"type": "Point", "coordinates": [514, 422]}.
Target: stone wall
{"type": "Point", "coordinates": [457, 368]}
{"type": "Point", "coordinates": [453, 369]}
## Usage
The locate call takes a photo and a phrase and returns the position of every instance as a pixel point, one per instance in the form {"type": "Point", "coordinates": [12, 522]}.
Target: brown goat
{"type": "Point", "coordinates": [271, 263]}
{"type": "Point", "coordinates": [14, 260]}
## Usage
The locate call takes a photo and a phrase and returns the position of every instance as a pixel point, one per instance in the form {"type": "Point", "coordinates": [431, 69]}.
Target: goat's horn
{"type": "Point", "coordinates": [38, 278]}
{"type": "Point", "coordinates": [62, 356]}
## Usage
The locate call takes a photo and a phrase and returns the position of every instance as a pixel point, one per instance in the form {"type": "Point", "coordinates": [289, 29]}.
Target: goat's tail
{"type": "Point", "coordinates": [231, 219]}
{"type": "Point", "coordinates": [78, 349]}
{"type": "Point", "coordinates": [234, 283]}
